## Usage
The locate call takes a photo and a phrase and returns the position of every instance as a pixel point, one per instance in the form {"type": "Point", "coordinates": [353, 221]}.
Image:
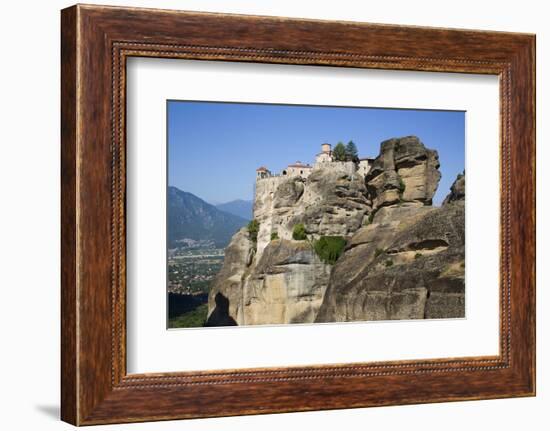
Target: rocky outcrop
{"type": "Point", "coordinates": [331, 201]}
{"type": "Point", "coordinates": [285, 285]}
{"type": "Point", "coordinates": [225, 297]}
{"type": "Point", "coordinates": [406, 171]}
{"type": "Point", "coordinates": [405, 265]}
{"type": "Point", "coordinates": [404, 258]}
{"type": "Point", "coordinates": [458, 190]}
{"type": "Point", "coordinates": [285, 281]}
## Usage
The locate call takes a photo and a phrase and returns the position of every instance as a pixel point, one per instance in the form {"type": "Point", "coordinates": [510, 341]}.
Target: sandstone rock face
{"type": "Point", "coordinates": [225, 297]}
{"type": "Point", "coordinates": [369, 241]}
{"type": "Point", "coordinates": [407, 264]}
{"type": "Point", "coordinates": [404, 258]}
{"type": "Point", "coordinates": [411, 267]}
{"type": "Point", "coordinates": [458, 190]}
{"type": "Point", "coordinates": [331, 201]}
{"type": "Point", "coordinates": [285, 281]}
{"type": "Point", "coordinates": [286, 285]}
{"type": "Point", "coordinates": [405, 170]}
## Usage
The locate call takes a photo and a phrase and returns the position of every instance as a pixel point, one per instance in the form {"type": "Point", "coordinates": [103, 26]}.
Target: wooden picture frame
{"type": "Point", "coordinates": [95, 43]}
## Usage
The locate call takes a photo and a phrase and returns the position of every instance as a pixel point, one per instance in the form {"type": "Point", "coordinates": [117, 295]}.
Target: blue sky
{"type": "Point", "coordinates": [214, 148]}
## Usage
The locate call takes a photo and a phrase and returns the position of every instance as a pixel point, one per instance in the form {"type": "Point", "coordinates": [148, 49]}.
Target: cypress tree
{"type": "Point", "coordinates": [339, 152]}
{"type": "Point", "coordinates": [351, 152]}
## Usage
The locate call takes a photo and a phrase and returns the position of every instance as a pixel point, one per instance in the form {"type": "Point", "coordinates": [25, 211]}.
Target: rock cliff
{"type": "Point", "coordinates": [405, 170]}
{"type": "Point", "coordinates": [285, 284]}
{"type": "Point", "coordinates": [331, 201]}
{"type": "Point", "coordinates": [407, 264]}
{"type": "Point", "coordinates": [404, 258]}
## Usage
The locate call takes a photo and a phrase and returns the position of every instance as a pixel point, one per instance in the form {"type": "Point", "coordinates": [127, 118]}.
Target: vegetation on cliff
{"type": "Point", "coordinates": [299, 232]}
{"type": "Point", "coordinates": [253, 228]}
{"type": "Point", "coordinates": [352, 154]}
{"type": "Point", "coordinates": [346, 153]}
{"type": "Point", "coordinates": [329, 248]}
{"type": "Point", "coordinates": [339, 152]}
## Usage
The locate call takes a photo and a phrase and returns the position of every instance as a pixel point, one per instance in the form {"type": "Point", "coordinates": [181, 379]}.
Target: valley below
{"type": "Point", "coordinates": [191, 271]}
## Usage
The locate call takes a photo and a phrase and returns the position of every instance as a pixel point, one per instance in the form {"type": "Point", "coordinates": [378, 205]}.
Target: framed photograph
{"type": "Point", "coordinates": [264, 215]}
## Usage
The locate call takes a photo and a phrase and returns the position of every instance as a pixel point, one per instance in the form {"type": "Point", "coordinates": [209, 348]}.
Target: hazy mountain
{"type": "Point", "coordinates": [191, 217]}
{"type": "Point", "coordinates": [237, 207]}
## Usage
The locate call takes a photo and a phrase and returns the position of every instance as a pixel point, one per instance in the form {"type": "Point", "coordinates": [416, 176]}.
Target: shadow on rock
{"type": "Point", "coordinates": [220, 315]}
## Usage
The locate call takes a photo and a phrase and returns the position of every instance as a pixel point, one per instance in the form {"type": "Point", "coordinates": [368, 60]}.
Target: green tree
{"type": "Point", "coordinates": [299, 232]}
{"type": "Point", "coordinates": [274, 236]}
{"type": "Point", "coordinates": [339, 152]}
{"type": "Point", "coordinates": [253, 229]}
{"type": "Point", "coordinates": [351, 152]}
{"type": "Point", "coordinates": [401, 187]}
{"type": "Point", "coordinates": [329, 248]}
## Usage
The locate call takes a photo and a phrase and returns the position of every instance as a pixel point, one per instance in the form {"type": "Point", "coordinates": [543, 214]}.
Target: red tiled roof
{"type": "Point", "coordinates": [299, 165]}
{"type": "Point", "coordinates": [262, 168]}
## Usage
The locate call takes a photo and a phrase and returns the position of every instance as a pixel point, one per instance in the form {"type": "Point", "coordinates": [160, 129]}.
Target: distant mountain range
{"type": "Point", "coordinates": [191, 217]}
{"type": "Point", "coordinates": [238, 207]}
